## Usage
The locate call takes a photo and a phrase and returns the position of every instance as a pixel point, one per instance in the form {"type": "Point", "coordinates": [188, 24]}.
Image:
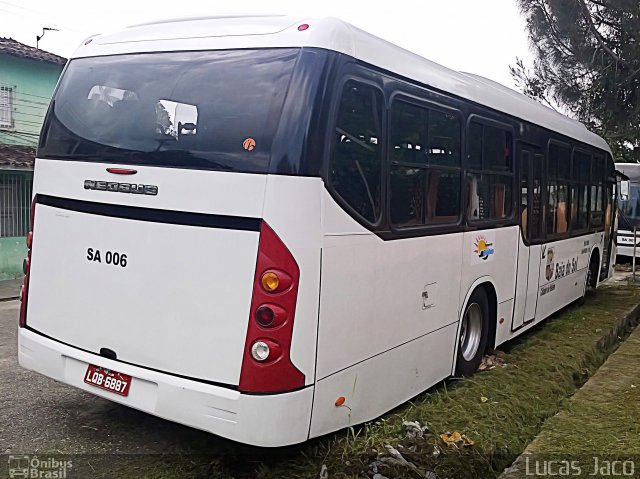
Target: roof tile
{"type": "Point", "coordinates": [17, 156]}
{"type": "Point", "coordinates": [9, 46]}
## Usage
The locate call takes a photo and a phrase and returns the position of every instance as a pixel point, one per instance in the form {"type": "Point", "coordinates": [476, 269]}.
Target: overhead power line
{"type": "Point", "coordinates": [28, 12]}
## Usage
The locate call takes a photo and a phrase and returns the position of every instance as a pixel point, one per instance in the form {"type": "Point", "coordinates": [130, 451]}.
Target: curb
{"type": "Point", "coordinates": [629, 321]}
{"type": "Point", "coordinates": [10, 298]}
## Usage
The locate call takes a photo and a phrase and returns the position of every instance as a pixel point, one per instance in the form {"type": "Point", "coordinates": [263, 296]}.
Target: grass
{"type": "Point", "coordinates": [600, 420]}
{"type": "Point", "coordinates": [544, 368]}
{"type": "Point", "coordinates": [602, 417]}
{"type": "Point", "coordinates": [501, 410]}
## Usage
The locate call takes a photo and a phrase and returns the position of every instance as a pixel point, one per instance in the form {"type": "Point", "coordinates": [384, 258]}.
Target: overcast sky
{"type": "Point", "coordinates": [477, 36]}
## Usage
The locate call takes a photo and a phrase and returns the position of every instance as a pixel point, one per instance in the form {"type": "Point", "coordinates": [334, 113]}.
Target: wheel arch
{"type": "Point", "coordinates": [488, 285]}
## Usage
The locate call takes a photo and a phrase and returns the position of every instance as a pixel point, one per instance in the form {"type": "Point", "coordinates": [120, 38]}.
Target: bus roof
{"type": "Point", "coordinates": [631, 170]}
{"type": "Point", "coordinates": [274, 31]}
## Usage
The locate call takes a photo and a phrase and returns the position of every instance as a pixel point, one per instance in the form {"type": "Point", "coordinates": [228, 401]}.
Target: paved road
{"type": "Point", "coordinates": [40, 416]}
{"type": "Point", "coordinates": [10, 289]}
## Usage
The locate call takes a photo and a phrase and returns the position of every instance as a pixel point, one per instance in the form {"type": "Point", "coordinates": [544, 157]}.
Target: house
{"type": "Point", "coordinates": [27, 79]}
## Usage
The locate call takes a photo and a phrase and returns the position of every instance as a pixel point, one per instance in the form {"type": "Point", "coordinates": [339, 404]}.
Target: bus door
{"type": "Point", "coordinates": [610, 217]}
{"type": "Point", "coordinates": [530, 248]}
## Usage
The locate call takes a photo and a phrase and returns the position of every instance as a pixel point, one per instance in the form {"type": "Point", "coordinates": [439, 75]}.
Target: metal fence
{"type": "Point", "coordinates": [15, 203]}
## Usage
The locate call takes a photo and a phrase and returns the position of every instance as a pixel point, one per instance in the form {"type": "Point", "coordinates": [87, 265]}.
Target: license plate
{"type": "Point", "coordinates": [108, 380]}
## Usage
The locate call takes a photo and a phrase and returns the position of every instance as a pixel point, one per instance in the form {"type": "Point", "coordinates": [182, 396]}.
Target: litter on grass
{"type": "Point", "coordinates": [414, 430]}
{"type": "Point", "coordinates": [393, 459]}
{"type": "Point", "coordinates": [492, 361]}
{"type": "Point", "coordinates": [455, 440]}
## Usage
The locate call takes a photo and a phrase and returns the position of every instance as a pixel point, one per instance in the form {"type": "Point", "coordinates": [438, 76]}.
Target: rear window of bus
{"type": "Point", "coordinates": [211, 110]}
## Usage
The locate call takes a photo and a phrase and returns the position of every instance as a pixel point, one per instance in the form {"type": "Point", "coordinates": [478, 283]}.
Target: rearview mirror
{"type": "Point", "coordinates": [176, 119]}
{"type": "Point", "coordinates": [624, 190]}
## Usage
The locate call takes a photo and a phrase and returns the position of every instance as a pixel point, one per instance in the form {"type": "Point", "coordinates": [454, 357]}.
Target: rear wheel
{"type": "Point", "coordinates": [474, 328]}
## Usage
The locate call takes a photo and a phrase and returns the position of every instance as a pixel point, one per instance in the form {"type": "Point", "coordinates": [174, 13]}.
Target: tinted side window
{"type": "Point", "coordinates": [597, 190]}
{"type": "Point", "coordinates": [580, 189]}
{"type": "Point", "coordinates": [357, 151]}
{"type": "Point", "coordinates": [490, 184]}
{"type": "Point", "coordinates": [444, 139]}
{"type": "Point", "coordinates": [425, 165]}
{"type": "Point", "coordinates": [496, 149]}
{"type": "Point", "coordinates": [559, 165]}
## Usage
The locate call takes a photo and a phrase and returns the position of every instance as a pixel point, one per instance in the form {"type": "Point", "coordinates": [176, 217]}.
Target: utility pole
{"type": "Point", "coordinates": [45, 29]}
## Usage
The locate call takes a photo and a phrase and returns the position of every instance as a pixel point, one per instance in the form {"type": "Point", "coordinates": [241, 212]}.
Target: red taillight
{"type": "Point", "coordinates": [265, 316]}
{"type": "Point", "coordinates": [271, 316]}
{"type": "Point", "coordinates": [266, 364]}
{"type": "Point", "coordinates": [24, 292]}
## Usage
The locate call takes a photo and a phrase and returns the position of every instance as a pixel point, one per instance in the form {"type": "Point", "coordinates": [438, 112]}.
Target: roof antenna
{"type": "Point", "coordinates": [45, 29]}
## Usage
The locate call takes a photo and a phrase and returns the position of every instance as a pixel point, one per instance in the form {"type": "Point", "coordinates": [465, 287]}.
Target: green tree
{"type": "Point", "coordinates": [587, 62]}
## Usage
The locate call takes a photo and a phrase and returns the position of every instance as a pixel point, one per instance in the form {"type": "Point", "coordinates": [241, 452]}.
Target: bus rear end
{"type": "Point", "coordinates": [167, 269]}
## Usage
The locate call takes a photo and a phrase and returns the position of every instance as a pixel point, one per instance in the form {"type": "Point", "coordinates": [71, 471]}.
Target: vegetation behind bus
{"type": "Point", "coordinates": [587, 62]}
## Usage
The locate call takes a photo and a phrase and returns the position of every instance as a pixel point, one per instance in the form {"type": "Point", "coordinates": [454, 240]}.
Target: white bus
{"type": "Point", "coordinates": [629, 210]}
{"type": "Point", "coordinates": [271, 229]}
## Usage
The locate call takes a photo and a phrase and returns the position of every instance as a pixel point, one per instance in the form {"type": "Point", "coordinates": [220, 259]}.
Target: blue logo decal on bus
{"type": "Point", "coordinates": [483, 248]}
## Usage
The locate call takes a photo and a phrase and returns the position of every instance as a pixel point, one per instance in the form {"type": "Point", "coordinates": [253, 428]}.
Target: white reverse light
{"type": "Point", "coordinates": [260, 351]}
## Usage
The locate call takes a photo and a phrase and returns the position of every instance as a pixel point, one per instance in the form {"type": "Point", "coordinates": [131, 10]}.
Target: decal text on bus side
{"type": "Point", "coordinates": [566, 268]}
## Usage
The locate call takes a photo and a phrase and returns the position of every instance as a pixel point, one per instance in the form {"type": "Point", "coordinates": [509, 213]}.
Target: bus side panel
{"type": "Point", "coordinates": [292, 209]}
{"type": "Point", "coordinates": [382, 382]}
{"type": "Point", "coordinates": [379, 295]}
{"type": "Point", "coordinates": [559, 284]}
{"type": "Point", "coordinates": [563, 270]}
{"type": "Point", "coordinates": [492, 253]}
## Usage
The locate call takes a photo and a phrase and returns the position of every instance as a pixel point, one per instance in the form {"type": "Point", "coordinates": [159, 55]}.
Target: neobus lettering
{"type": "Point", "coordinates": [121, 187]}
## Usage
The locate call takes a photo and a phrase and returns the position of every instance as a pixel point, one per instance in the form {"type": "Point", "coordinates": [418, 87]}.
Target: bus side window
{"type": "Point", "coordinates": [524, 192]}
{"type": "Point", "coordinates": [355, 170]}
{"type": "Point", "coordinates": [580, 189]}
{"type": "Point", "coordinates": [559, 167]}
{"type": "Point", "coordinates": [490, 161]}
{"type": "Point", "coordinates": [597, 190]}
{"type": "Point", "coordinates": [536, 214]}
{"type": "Point", "coordinates": [424, 185]}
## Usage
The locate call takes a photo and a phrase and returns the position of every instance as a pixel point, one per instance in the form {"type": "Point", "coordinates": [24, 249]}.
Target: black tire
{"type": "Point", "coordinates": [591, 281]}
{"type": "Point", "coordinates": [470, 347]}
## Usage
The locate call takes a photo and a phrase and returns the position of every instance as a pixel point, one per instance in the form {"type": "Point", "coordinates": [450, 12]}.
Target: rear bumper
{"type": "Point", "coordinates": [268, 420]}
